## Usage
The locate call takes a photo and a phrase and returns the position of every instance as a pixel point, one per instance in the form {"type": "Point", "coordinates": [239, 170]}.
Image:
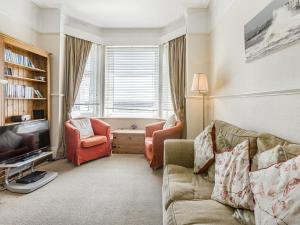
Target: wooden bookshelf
{"type": "Point", "coordinates": [24, 78]}
{"type": "Point", "coordinates": [43, 99]}
{"type": "Point", "coordinates": [24, 67]}
{"type": "Point", "coordinates": [23, 73]}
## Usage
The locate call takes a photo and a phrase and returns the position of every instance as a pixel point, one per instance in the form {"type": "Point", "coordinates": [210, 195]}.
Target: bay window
{"type": "Point", "coordinates": [132, 82]}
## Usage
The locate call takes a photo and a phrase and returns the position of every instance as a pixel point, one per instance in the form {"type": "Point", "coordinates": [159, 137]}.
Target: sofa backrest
{"type": "Point", "coordinates": [235, 135]}
{"type": "Point", "coordinates": [268, 141]}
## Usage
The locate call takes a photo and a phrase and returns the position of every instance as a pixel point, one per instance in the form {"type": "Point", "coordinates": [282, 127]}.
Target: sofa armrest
{"type": "Point", "coordinates": [179, 152]}
{"type": "Point", "coordinates": [151, 128]}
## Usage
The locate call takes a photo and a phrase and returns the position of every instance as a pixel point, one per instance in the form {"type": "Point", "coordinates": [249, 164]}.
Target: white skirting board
{"type": "Point", "coordinates": [27, 188]}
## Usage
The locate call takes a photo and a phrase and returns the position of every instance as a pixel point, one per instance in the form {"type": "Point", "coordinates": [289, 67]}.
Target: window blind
{"type": "Point", "coordinates": [89, 96]}
{"type": "Point", "coordinates": [131, 81]}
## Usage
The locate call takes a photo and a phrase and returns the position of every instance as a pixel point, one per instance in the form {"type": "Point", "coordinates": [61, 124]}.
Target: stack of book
{"type": "Point", "coordinates": [38, 94]}
{"type": "Point", "coordinates": [13, 57]}
{"type": "Point", "coordinates": [21, 91]}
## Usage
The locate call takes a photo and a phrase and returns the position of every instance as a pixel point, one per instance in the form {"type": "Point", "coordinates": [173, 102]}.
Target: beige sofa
{"type": "Point", "coordinates": [186, 196]}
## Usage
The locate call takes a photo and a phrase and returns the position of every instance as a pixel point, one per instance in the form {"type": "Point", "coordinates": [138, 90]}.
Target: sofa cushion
{"type": "Point", "coordinates": [206, 212]}
{"type": "Point", "coordinates": [291, 150]}
{"type": "Point", "coordinates": [204, 149]}
{"type": "Point", "coordinates": [232, 186]}
{"type": "Point", "coordinates": [93, 141]}
{"type": "Point", "coordinates": [268, 141]}
{"type": "Point", "coordinates": [235, 135]}
{"type": "Point", "coordinates": [277, 193]}
{"type": "Point", "coordinates": [180, 183]}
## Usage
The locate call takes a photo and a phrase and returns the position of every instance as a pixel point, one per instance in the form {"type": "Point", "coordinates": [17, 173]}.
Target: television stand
{"type": "Point", "coordinates": [23, 188]}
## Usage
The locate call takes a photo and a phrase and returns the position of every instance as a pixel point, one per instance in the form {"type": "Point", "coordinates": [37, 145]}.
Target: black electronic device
{"type": "Point", "coordinates": [20, 118]}
{"type": "Point", "coordinates": [38, 114]}
{"type": "Point", "coordinates": [19, 141]}
{"type": "Point", "coordinates": [32, 177]}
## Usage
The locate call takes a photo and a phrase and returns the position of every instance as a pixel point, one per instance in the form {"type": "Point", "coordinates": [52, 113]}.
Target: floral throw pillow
{"type": "Point", "coordinates": [232, 186]}
{"type": "Point", "coordinates": [222, 145]}
{"type": "Point", "coordinates": [204, 150]}
{"type": "Point", "coordinates": [277, 192]}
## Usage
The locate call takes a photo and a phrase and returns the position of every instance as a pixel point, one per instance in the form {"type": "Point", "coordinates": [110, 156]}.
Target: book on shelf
{"type": "Point", "coordinates": [18, 91]}
{"type": "Point", "coordinates": [38, 94]}
{"type": "Point", "coordinates": [10, 56]}
{"type": "Point", "coordinates": [7, 71]}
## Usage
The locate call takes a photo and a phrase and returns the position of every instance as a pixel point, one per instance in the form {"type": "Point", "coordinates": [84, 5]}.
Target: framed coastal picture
{"type": "Point", "coordinates": [275, 27]}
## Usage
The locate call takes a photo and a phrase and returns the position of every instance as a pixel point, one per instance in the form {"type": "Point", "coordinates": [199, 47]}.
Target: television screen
{"type": "Point", "coordinates": [21, 139]}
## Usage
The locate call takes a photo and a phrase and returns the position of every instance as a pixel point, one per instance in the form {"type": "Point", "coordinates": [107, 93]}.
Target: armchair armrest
{"type": "Point", "coordinates": [170, 133]}
{"type": "Point", "coordinates": [151, 128]}
{"type": "Point", "coordinates": [100, 127]}
{"type": "Point", "coordinates": [179, 152]}
{"type": "Point", "coordinates": [72, 136]}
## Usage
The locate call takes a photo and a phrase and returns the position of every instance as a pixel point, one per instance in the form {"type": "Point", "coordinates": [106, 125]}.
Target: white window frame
{"type": "Point", "coordinates": [101, 74]}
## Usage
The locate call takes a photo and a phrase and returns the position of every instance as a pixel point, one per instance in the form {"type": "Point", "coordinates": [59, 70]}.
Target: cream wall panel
{"type": "Point", "coordinates": [194, 116]}
{"type": "Point", "coordinates": [276, 114]}
{"type": "Point", "coordinates": [231, 75]}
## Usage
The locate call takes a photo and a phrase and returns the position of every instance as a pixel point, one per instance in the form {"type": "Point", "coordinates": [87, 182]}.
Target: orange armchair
{"type": "Point", "coordinates": [154, 141]}
{"type": "Point", "coordinates": [83, 150]}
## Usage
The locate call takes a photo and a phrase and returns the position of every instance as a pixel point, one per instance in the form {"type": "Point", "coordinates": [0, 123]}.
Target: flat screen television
{"type": "Point", "coordinates": [21, 140]}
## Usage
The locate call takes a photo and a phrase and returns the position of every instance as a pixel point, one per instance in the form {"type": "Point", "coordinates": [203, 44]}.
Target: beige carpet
{"type": "Point", "coordinates": [119, 190]}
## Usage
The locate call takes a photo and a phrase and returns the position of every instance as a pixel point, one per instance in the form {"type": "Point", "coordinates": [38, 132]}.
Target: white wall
{"type": "Point", "coordinates": [262, 95]}
{"type": "Point", "coordinates": [19, 19]}
{"type": "Point", "coordinates": [197, 61]}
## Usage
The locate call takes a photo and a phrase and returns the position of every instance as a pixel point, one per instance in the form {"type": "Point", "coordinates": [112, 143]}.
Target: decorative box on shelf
{"type": "Point", "coordinates": [128, 141]}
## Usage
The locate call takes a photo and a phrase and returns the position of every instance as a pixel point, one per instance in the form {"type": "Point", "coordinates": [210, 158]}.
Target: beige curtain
{"type": "Point", "coordinates": [76, 55]}
{"type": "Point", "coordinates": [177, 64]}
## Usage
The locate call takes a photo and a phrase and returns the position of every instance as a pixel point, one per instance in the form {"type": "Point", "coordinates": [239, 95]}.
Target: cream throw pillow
{"type": "Point", "coordinates": [232, 186]}
{"type": "Point", "coordinates": [84, 126]}
{"type": "Point", "coordinates": [269, 158]}
{"type": "Point", "coordinates": [171, 122]}
{"type": "Point", "coordinates": [204, 150]}
{"type": "Point", "coordinates": [277, 192]}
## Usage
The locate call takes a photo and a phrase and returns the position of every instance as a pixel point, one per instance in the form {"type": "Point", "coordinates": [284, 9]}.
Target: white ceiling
{"type": "Point", "coordinates": [125, 13]}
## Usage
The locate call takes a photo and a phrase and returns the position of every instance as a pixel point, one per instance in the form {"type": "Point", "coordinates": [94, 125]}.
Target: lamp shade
{"type": "Point", "coordinates": [200, 83]}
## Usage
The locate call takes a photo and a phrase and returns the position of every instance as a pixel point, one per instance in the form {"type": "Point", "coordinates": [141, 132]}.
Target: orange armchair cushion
{"type": "Point", "coordinates": [93, 141]}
